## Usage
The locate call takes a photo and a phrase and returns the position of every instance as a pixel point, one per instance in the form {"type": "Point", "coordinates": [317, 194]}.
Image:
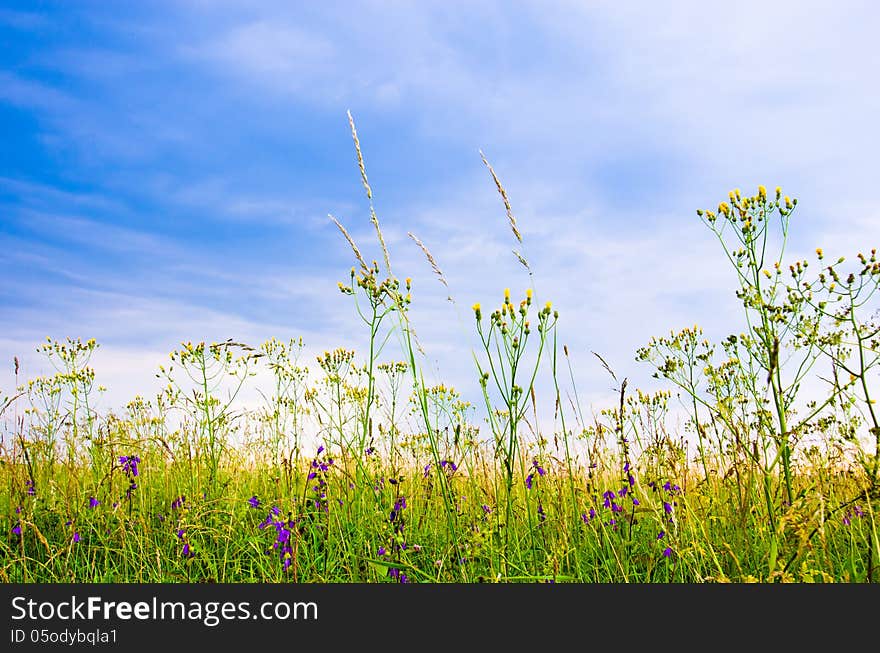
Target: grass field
{"type": "Point", "coordinates": [354, 469]}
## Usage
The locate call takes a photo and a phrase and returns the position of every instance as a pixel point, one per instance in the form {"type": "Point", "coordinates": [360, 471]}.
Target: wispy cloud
{"type": "Point", "coordinates": [207, 141]}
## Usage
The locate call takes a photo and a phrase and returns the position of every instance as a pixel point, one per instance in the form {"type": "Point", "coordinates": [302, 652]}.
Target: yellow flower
{"type": "Point", "coordinates": [476, 307]}
{"type": "Point", "coordinates": [528, 293]}
{"type": "Point", "coordinates": [819, 252]}
{"type": "Point", "coordinates": [762, 193]}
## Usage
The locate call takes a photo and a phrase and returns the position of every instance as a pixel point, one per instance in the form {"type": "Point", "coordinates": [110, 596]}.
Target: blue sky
{"type": "Point", "coordinates": [166, 168]}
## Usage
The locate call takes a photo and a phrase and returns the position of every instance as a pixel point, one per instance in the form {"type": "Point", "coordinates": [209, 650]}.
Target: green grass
{"type": "Point", "coordinates": [357, 470]}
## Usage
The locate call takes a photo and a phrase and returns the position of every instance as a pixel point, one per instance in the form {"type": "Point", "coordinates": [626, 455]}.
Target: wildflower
{"type": "Point", "coordinates": [616, 508]}
{"type": "Point", "coordinates": [609, 497]}
{"type": "Point", "coordinates": [187, 552]}
{"type": "Point", "coordinates": [857, 510]}
{"type": "Point", "coordinates": [529, 481]}
{"type": "Point", "coordinates": [622, 492]}
{"type": "Point", "coordinates": [381, 552]}
{"type": "Point", "coordinates": [76, 537]}
{"type": "Point", "coordinates": [667, 507]}
{"type": "Point", "coordinates": [452, 465]}
{"type": "Point", "coordinates": [398, 575]}
{"type": "Point", "coordinates": [31, 490]}
{"type": "Point", "coordinates": [846, 520]}
{"type": "Point", "coordinates": [180, 533]}
{"type": "Point", "coordinates": [762, 193]}
{"type": "Point", "coordinates": [254, 502]}
{"type": "Point", "coordinates": [16, 530]}
{"type": "Point", "coordinates": [93, 502]}
{"type": "Point", "coordinates": [541, 514]}
{"type": "Point", "coordinates": [129, 465]}
{"type": "Point", "coordinates": [667, 552]}
{"type": "Point", "coordinates": [486, 509]}
{"type": "Point", "coordinates": [635, 501]}
{"type": "Point", "coordinates": [661, 535]}
{"type": "Point", "coordinates": [178, 502]}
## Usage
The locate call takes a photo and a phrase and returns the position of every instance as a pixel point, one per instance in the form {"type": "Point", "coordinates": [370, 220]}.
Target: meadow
{"type": "Point", "coordinates": [353, 468]}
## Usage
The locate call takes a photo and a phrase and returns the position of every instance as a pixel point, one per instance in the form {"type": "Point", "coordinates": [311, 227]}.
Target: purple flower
{"type": "Point", "coordinates": [626, 467]}
{"type": "Point", "coordinates": [129, 465]}
{"type": "Point", "coordinates": [397, 575]}
{"type": "Point", "coordinates": [667, 507]}
{"type": "Point", "coordinates": [381, 552]}
{"type": "Point", "coordinates": [16, 530]}
{"type": "Point", "coordinates": [178, 502]}
{"type": "Point", "coordinates": [452, 465]}
{"type": "Point", "coordinates": [622, 492]}
{"type": "Point", "coordinates": [180, 533]}
{"type": "Point", "coordinates": [846, 521]}
{"type": "Point", "coordinates": [320, 450]}
{"type": "Point", "coordinates": [636, 502]}
{"type": "Point", "coordinates": [93, 502]}
{"type": "Point", "coordinates": [254, 502]}
{"type": "Point", "coordinates": [529, 481]}
{"type": "Point", "coordinates": [616, 508]}
{"type": "Point", "coordinates": [76, 537]}
{"type": "Point", "coordinates": [31, 490]}
{"type": "Point", "coordinates": [187, 552]}
{"type": "Point", "coordinates": [427, 469]}
{"type": "Point", "coordinates": [486, 509]}
{"type": "Point", "coordinates": [541, 514]}
{"type": "Point", "coordinates": [538, 468]}
{"type": "Point", "coordinates": [631, 480]}
{"type": "Point", "coordinates": [370, 451]}
{"type": "Point", "coordinates": [857, 510]}
{"type": "Point", "coordinates": [585, 518]}
{"type": "Point", "coordinates": [276, 510]}
{"type": "Point", "coordinates": [667, 552]}
{"type": "Point", "coordinates": [661, 535]}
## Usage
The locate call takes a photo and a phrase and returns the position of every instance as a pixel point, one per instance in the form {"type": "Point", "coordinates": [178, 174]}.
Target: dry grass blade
{"type": "Point", "coordinates": [357, 146]}
{"type": "Point", "coordinates": [430, 258]}
{"type": "Point", "coordinates": [525, 263]}
{"type": "Point", "coordinates": [354, 247]}
{"type": "Point", "coordinates": [375, 222]}
{"type": "Point", "coordinates": [373, 218]}
{"type": "Point", "coordinates": [503, 194]}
